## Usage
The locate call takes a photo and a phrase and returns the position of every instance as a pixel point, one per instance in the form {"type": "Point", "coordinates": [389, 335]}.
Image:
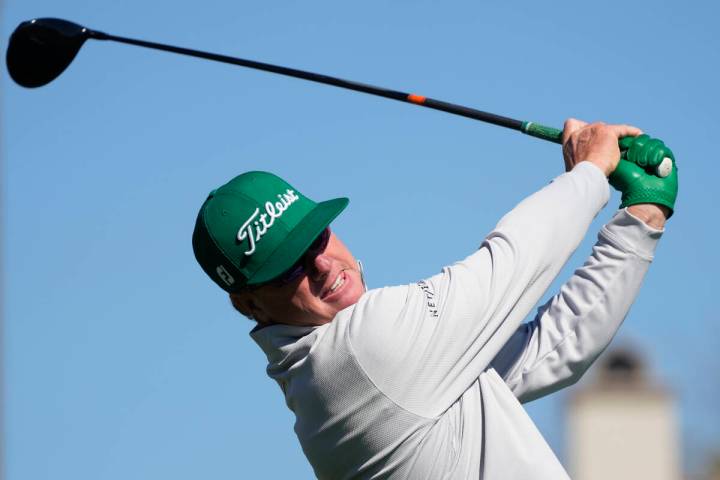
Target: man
{"type": "Point", "coordinates": [426, 380]}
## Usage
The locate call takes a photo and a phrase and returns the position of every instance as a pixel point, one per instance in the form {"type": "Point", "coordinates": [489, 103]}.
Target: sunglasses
{"type": "Point", "coordinates": [298, 268]}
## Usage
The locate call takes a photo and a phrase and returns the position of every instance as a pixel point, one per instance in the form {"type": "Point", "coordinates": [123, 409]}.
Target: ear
{"type": "Point", "coordinates": [244, 304]}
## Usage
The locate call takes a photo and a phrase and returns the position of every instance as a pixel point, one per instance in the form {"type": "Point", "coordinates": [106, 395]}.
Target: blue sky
{"type": "Point", "coordinates": [123, 361]}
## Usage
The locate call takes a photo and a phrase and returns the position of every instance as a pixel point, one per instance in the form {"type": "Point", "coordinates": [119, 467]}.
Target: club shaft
{"type": "Point", "coordinates": [530, 128]}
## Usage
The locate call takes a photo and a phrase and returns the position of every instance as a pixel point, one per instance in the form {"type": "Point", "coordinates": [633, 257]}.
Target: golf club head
{"type": "Point", "coordinates": [41, 49]}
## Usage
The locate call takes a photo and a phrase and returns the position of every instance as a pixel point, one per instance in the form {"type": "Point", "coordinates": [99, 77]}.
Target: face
{"type": "Point", "coordinates": [332, 283]}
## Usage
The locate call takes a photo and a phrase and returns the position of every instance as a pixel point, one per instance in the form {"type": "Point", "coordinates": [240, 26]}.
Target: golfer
{"type": "Point", "coordinates": [426, 380]}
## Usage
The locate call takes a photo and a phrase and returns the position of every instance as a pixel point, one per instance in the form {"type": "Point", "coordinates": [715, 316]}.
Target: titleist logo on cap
{"type": "Point", "coordinates": [258, 223]}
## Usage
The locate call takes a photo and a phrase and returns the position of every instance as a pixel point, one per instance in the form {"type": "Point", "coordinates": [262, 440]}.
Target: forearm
{"type": "Point", "coordinates": [651, 214]}
{"type": "Point", "coordinates": [525, 252]}
{"type": "Point", "coordinates": [572, 329]}
{"type": "Point", "coordinates": [552, 221]}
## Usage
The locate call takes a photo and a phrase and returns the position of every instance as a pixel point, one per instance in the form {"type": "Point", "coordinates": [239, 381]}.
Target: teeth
{"type": "Point", "coordinates": [337, 283]}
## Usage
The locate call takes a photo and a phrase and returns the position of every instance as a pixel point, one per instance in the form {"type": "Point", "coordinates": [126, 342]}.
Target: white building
{"type": "Point", "coordinates": [623, 425]}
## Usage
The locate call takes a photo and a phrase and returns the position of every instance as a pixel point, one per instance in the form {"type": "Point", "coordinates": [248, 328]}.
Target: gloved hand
{"type": "Point", "coordinates": [636, 175]}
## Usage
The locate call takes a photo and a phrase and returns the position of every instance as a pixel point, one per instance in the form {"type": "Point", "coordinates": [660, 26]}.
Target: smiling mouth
{"type": "Point", "coordinates": [337, 284]}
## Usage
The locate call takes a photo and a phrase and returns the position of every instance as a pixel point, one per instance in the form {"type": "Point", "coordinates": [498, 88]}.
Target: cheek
{"type": "Point", "coordinates": [303, 299]}
{"type": "Point", "coordinates": [359, 285]}
{"type": "Point", "coordinates": [282, 304]}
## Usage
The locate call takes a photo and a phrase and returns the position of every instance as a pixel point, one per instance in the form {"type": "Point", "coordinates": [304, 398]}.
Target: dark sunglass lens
{"type": "Point", "coordinates": [294, 273]}
{"type": "Point", "coordinates": [298, 269]}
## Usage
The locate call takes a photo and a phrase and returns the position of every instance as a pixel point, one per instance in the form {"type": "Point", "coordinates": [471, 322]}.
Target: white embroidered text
{"type": "Point", "coordinates": [429, 298]}
{"type": "Point", "coordinates": [258, 224]}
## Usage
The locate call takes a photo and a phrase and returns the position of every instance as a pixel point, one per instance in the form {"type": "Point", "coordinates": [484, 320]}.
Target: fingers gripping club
{"type": "Point", "coordinates": [649, 153]}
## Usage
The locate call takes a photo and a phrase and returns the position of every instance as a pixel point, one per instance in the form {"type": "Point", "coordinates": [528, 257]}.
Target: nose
{"type": "Point", "coordinates": [321, 266]}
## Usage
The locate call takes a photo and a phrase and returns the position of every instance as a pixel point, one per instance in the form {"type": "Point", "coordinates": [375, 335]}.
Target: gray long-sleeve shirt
{"type": "Point", "coordinates": [424, 381]}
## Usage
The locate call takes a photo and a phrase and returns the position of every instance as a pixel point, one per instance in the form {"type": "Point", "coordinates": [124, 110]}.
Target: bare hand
{"type": "Point", "coordinates": [596, 143]}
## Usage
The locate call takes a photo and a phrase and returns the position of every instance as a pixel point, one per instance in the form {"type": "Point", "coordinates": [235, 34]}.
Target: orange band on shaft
{"type": "Point", "coordinates": [419, 99]}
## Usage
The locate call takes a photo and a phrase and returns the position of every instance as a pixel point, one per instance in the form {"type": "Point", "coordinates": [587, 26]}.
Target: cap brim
{"type": "Point", "coordinates": [299, 240]}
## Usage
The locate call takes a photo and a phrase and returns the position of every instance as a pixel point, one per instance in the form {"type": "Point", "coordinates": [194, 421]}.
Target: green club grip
{"type": "Point", "coordinates": [543, 132]}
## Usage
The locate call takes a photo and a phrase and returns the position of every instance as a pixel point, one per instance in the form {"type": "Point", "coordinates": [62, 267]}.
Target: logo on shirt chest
{"type": "Point", "coordinates": [430, 298]}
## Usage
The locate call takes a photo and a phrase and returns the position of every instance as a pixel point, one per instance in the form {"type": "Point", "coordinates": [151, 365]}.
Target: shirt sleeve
{"type": "Point", "coordinates": [576, 325]}
{"type": "Point", "coordinates": [424, 344]}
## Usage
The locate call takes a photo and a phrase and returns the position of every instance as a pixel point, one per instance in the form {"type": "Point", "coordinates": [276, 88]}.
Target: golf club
{"type": "Point", "coordinates": [41, 49]}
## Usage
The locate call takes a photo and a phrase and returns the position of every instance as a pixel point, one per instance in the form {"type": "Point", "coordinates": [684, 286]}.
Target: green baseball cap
{"type": "Point", "coordinates": [255, 227]}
